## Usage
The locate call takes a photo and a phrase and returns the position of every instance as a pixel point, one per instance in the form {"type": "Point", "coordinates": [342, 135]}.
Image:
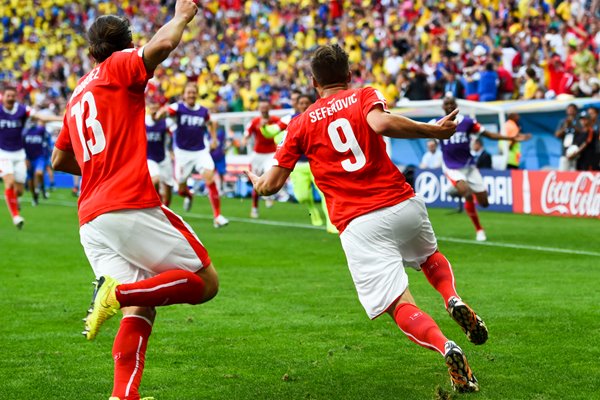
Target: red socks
{"type": "Point", "coordinates": [215, 201]}
{"type": "Point", "coordinates": [184, 192]}
{"type": "Point", "coordinates": [170, 287]}
{"type": "Point", "coordinates": [419, 327]}
{"type": "Point", "coordinates": [254, 199]}
{"type": "Point", "coordinates": [129, 353]}
{"type": "Point", "coordinates": [11, 201]}
{"type": "Point", "coordinates": [438, 271]}
{"type": "Point", "coordinates": [472, 213]}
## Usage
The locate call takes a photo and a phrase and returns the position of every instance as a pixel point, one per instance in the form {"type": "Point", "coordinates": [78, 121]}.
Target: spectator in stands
{"type": "Point", "coordinates": [418, 87]}
{"type": "Point", "coordinates": [531, 84]}
{"type": "Point", "coordinates": [432, 158]}
{"type": "Point", "coordinates": [453, 86]}
{"type": "Point", "coordinates": [487, 88]}
{"type": "Point", "coordinates": [566, 130]}
{"type": "Point", "coordinates": [483, 159]}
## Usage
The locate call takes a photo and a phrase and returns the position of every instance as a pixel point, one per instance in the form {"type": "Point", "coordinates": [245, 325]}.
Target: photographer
{"type": "Point", "coordinates": [566, 131]}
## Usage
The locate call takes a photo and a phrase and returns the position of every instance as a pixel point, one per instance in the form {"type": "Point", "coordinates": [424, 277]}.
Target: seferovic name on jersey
{"type": "Point", "coordinates": [321, 113]}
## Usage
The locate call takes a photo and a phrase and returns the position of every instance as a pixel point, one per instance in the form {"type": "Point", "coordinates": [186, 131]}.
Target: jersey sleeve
{"type": "Point", "coordinates": [127, 67]}
{"type": "Point", "coordinates": [476, 127]}
{"type": "Point", "coordinates": [63, 141]}
{"type": "Point", "coordinates": [249, 129]}
{"type": "Point", "coordinates": [290, 150]}
{"type": "Point", "coordinates": [370, 98]}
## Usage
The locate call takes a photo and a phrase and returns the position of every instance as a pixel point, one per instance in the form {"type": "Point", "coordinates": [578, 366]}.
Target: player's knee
{"type": "Point", "coordinates": [482, 200]}
{"type": "Point", "coordinates": [211, 283]}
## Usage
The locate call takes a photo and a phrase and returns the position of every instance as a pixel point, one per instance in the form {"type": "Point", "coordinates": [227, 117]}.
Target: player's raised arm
{"type": "Point", "coordinates": [168, 37]}
{"type": "Point", "coordinates": [397, 126]}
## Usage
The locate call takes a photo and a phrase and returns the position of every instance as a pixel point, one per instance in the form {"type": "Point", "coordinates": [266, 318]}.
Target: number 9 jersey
{"type": "Point", "coordinates": [104, 127]}
{"type": "Point", "coordinates": [347, 158]}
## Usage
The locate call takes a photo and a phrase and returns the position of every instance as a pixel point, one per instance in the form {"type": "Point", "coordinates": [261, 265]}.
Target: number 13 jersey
{"type": "Point", "coordinates": [104, 126]}
{"type": "Point", "coordinates": [347, 158]}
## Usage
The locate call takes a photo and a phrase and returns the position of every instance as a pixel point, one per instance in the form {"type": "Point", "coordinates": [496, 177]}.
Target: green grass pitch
{"type": "Point", "coordinates": [287, 323]}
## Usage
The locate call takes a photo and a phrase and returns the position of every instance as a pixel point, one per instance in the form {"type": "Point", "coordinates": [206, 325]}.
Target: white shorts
{"type": "Point", "coordinates": [186, 161]}
{"type": "Point", "coordinates": [380, 244]}
{"type": "Point", "coordinates": [469, 174]}
{"type": "Point", "coordinates": [164, 171]}
{"type": "Point", "coordinates": [131, 245]}
{"type": "Point", "coordinates": [261, 162]}
{"type": "Point", "coordinates": [13, 163]}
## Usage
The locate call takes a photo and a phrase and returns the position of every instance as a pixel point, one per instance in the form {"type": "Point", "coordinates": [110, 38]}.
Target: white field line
{"type": "Point", "coordinates": [441, 238]}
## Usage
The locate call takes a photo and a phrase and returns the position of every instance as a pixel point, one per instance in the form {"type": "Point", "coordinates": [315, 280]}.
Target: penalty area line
{"type": "Point", "coordinates": [320, 228]}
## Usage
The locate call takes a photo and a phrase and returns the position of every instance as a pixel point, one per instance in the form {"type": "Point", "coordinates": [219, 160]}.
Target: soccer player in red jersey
{"type": "Point", "coordinates": [384, 226]}
{"type": "Point", "coordinates": [264, 146]}
{"type": "Point", "coordinates": [142, 253]}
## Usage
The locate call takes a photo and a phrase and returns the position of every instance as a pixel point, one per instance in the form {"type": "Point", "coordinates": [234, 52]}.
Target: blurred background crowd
{"type": "Point", "coordinates": [239, 51]}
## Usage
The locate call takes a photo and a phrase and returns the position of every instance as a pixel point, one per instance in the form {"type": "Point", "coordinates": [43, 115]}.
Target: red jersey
{"type": "Point", "coordinates": [104, 127]}
{"type": "Point", "coordinates": [347, 158]}
{"type": "Point", "coordinates": [263, 145]}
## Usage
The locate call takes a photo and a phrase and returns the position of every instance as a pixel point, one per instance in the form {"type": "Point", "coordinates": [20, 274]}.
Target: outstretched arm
{"type": "Point", "coordinates": [521, 137]}
{"type": "Point", "coordinates": [271, 182]}
{"type": "Point", "coordinates": [168, 37]}
{"type": "Point", "coordinates": [397, 126]}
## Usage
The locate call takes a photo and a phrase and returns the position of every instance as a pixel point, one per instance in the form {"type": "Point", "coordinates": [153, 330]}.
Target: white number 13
{"type": "Point", "coordinates": [349, 144]}
{"type": "Point", "coordinates": [99, 143]}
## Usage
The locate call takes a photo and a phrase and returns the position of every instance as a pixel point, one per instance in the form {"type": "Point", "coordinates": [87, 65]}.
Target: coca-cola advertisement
{"type": "Point", "coordinates": [574, 194]}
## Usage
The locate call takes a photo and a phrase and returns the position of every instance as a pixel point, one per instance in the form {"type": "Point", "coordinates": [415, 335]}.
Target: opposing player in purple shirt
{"type": "Point", "coordinates": [459, 165]}
{"type": "Point", "coordinates": [36, 141]}
{"type": "Point", "coordinates": [190, 123]}
{"type": "Point", "coordinates": [160, 160]}
{"type": "Point", "coordinates": [12, 154]}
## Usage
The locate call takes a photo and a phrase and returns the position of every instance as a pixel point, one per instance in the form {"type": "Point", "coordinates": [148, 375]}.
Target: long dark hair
{"type": "Point", "coordinates": [108, 33]}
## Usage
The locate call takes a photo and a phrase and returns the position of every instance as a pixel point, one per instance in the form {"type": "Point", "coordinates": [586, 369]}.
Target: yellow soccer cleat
{"type": "Point", "coordinates": [104, 306]}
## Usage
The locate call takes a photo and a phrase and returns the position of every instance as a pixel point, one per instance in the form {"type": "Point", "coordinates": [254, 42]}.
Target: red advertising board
{"type": "Point", "coordinates": [574, 194]}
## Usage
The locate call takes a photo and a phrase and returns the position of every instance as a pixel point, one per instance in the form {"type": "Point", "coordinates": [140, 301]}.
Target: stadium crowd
{"type": "Point", "coordinates": [241, 51]}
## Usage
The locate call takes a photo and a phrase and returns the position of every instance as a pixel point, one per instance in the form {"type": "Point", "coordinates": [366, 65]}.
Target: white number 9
{"type": "Point", "coordinates": [349, 144]}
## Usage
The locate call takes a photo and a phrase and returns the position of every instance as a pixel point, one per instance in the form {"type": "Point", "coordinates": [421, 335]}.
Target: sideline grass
{"type": "Point", "coordinates": [287, 324]}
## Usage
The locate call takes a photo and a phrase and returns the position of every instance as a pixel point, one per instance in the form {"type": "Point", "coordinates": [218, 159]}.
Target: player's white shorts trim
{"type": "Point", "coordinates": [469, 174]}
{"type": "Point", "coordinates": [380, 244]}
{"type": "Point", "coordinates": [164, 171]}
{"type": "Point", "coordinates": [186, 161]}
{"type": "Point", "coordinates": [13, 162]}
{"type": "Point", "coordinates": [131, 245]}
{"type": "Point", "coordinates": [261, 162]}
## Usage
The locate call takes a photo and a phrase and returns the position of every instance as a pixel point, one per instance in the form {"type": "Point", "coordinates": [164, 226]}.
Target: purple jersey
{"type": "Point", "coordinates": [156, 132]}
{"type": "Point", "coordinates": [456, 151]}
{"type": "Point", "coordinates": [11, 127]}
{"type": "Point", "coordinates": [189, 127]}
{"type": "Point", "coordinates": [218, 153]}
{"type": "Point", "coordinates": [35, 142]}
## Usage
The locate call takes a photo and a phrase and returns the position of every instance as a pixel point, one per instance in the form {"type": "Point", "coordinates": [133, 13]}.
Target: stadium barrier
{"type": "Point", "coordinates": [570, 194]}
